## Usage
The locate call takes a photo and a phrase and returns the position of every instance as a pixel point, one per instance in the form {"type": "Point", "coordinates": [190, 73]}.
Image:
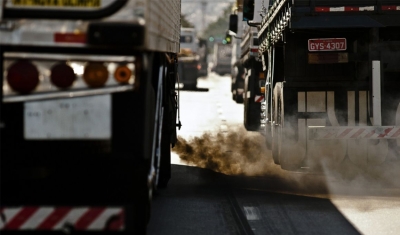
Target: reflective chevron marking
{"type": "Point", "coordinates": [259, 98]}
{"type": "Point", "coordinates": [56, 218]}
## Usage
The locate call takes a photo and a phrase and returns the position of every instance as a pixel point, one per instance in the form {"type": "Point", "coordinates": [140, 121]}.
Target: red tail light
{"type": "Point", "coordinates": [62, 75]}
{"type": "Point", "coordinates": [23, 76]}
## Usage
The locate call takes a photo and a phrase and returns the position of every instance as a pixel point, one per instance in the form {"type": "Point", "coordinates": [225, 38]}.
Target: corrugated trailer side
{"type": "Point", "coordinates": [163, 25]}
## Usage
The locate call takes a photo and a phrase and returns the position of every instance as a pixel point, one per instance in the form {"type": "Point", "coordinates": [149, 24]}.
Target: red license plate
{"type": "Point", "coordinates": [327, 44]}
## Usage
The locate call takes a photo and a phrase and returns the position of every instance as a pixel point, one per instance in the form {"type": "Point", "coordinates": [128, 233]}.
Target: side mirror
{"type": "Point", "coordinates": [233, 23]}
{"type": "Point", "coordinates": [248, 10]}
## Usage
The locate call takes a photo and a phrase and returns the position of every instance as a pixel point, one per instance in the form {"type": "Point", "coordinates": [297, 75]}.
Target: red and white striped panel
{"type": "Point", "coordinates": [58, 218]}
{"type": "Point", "coordinates": [259, 98]}
{"type": "Point", "coordinates": [390, 8]}
{"type": "Point", "coordinates": [344, 9]}
{"type": "Point", "coordinates": [357, 132]}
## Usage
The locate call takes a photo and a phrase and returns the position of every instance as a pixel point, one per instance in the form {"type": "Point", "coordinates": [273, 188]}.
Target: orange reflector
{"type": "Point", "coordinates": [23, 76]}
{"type": "Point", "coordinates": [261, 75]}
{"type": "Point", "coordinates": [262, 89]}
{"type": "Point", "coordinates": [95, 74]}
{"type": "Point", "coordinates": [198, 66]}
{"type": "Point", "coordinates": [122, 74]}
{"type": "Point", "coordinates": [62, 75]}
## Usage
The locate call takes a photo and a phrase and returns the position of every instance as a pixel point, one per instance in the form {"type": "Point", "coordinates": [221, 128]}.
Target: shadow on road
{"type": "Point", "coordinates": [198, 89]}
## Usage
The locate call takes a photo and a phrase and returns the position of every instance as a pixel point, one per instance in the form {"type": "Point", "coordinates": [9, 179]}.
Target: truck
{"type": "Point", "coordinates": [331, 82]}
{"type": "Point", "coordinates": [248, 70]}
{"type": "Point", "coordinates": [88, 113]}
{"type": "Point", "coordinates": [203, 60]}
{"type": "Point", "coordinates": [237, 69]}
{"type": "Point", "coordinates": [222, 55]}
{"type": "Point", "coordinates": [189, 58]}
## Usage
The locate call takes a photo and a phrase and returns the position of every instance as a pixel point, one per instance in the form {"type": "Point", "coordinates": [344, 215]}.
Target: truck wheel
{"type": "Point", "coordinates": [168, 128]}
{"type": "Point", "coordinates": [239, 98]}
{"type": "Point", "coordinates": [278, 153]}
{"type": "Point", "coordinates": [268, 125]}
{"type": "Point", "coordinates": [141, 214]}
{"type": "Point", "coordinates": [165, 164]}
{"type": "Point", "coordinates": [233, 90]}
{"type": "Point", "coordinates": [251, 108]}
{"type": "Point", "coordinates": [277, 122]}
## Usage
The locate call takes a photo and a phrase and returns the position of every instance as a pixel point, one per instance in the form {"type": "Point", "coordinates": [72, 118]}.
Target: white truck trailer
{"type": "Point", "coordinates": [88, 112]}
{"type": "Point", "coordinates": [332, 81]}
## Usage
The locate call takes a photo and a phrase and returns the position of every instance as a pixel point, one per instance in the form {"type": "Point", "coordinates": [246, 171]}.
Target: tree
{"type": "Point", "coordinates": [217, 30]}
{"type": "Point", "coordinates": [185, 23]}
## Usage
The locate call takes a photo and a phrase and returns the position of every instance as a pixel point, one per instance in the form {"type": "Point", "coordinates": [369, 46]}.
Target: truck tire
{"type": "Point", "coordinates": [251, 108]}
{"type": "Point", "coordinates": [133, 139]}
{"type": "Point", "coordinates": [278, 130]}
{"type": "Point", "coordinates": [237, 83]}
{"type": "Point", "coordinates": [239, 97]}
{"type": "Point", "coordinates": [268, 125]}
{"type": "Point", "coordinates": [165, 164]}
{"type": "Point", "coordinates": [277, 122]}
{"type": "Point", "coordinates": [168, 137]}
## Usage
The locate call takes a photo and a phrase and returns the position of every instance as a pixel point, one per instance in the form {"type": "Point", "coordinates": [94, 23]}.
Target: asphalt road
{"type": "Point", "coordinates": [229, 185]}
{"type": "Point", "coordinates": [200, 201]}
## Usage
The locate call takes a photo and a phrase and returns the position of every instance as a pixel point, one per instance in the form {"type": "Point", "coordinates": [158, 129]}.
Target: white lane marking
{"type": "Point", "coordinates": [224, 128]}
{"type": "Point", "coordinates": [252, 213]}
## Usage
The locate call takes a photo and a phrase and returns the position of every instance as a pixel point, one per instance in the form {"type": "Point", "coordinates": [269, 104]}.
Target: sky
{"type": "Point", "coordinates": [192, 9]}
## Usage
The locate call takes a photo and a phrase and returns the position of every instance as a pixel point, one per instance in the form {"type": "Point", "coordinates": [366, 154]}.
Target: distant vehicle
{"type": "Point", "coordinates": [88, 113]}
{"type": "Point", "coordinates": [222, 58]}
{"type": "Point", "coordinates": [237, 69]}
{"type": "Point", "coordinates": [203, 60]}
{"type": "Point", "coordinates": [189, 59]}
{"type": "Point", "coordinates": [247, 71]}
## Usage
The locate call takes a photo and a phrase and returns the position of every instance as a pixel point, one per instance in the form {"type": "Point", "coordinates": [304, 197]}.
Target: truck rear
{"type": "Point", "coordinates": [189, 58]}
{"type": "Point", "coordinates": [222, 58]}
{"type": "Point", "coordinates": [332, 82]}
{"type": "Point", "coordinates": [87, 113]}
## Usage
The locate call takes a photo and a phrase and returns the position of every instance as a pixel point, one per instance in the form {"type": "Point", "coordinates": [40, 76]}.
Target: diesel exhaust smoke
{"type": "Point", "coordinates": [233, 153]}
